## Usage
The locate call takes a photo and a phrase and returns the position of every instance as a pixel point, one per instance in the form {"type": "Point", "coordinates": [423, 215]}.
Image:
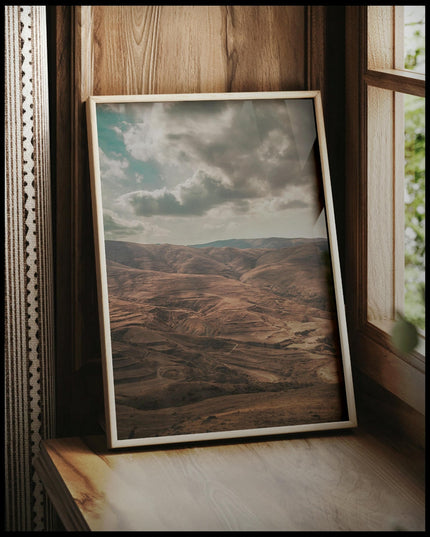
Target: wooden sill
{"type": "Point", "coordinates": [384, 327]}
{"type": "Point", "coordinates": [343, 481]}
{"type": "Point", "coordinates": [373, 357]}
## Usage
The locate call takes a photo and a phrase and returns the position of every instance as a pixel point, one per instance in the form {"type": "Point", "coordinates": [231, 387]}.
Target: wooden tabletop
{"type": "Point", "coordinates": [329, 482]}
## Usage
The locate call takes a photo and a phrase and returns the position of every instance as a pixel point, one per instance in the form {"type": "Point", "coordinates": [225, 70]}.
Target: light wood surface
{"type": "Point", "coordinates": [380, 37]}
{"type": "Point", "coordinates": [380, 239]}
{"type": "Point", "coordinates": [191, 49]}
{"type": "Point", "coordinates": [349, 482]}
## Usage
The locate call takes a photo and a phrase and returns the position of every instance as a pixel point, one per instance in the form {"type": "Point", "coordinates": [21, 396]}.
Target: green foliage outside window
{"type": "Point", "coordinates": [414, 38]}
{"type": "Point", "coordinates": [415, 210]}
{"type": "Point", "coordinates": [415, 173]}
{"type": "Point", "coordinates": [404, 334]}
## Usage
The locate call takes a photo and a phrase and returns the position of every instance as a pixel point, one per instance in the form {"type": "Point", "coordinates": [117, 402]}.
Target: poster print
{"type": "Point", "coordinates": [220, 297]}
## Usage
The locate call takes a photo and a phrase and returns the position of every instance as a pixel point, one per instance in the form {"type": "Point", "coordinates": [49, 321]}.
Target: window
{"type": "Point", "coordinates": [395, 168]}
{"type": "Point", "coordinates": [385, 155]}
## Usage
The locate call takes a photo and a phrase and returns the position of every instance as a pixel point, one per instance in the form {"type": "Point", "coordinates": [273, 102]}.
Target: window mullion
{"type": "Point", "coordinates": [395, 80]}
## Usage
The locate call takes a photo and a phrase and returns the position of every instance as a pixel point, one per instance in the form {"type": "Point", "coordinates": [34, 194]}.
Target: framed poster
{"type": "Point", "coordinates": [221, 304]}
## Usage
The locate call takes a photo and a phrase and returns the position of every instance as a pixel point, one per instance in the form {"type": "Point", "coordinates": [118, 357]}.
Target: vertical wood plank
{"type": "Point", "coordinates": [380, 45]}
{"type": "Point", "coordinates": [124, 63]}
{"type": "Point", "coordinates": [59, 48]}
{"type": "Point", "coordinates": [265, 48]}
{"type": "Point", "coordinates": [195, 59]}
{"type": "Point", "coordinates": [76, 328]}
{"type": "Point", "coordinates": [356, 193]}
{"type": "Point", "coordinates": [86, 329]}
{"type": "Point", "coordinates": [380, 201]}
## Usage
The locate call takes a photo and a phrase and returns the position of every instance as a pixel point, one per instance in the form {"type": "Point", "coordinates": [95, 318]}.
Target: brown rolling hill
{"type": "Point", "coordinates": [208, 331]}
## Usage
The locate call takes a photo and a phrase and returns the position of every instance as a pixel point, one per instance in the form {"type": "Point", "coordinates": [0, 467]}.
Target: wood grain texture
{"type": "Point", "coordinates": [58, 493]}
{"type": "Point", "coordinates": [380, 204]}
{"type": "Point", "coordinates": [402, 81]}
{"type": "Point", "coordinates": [380, 44]}
{"type": "Point", "coordinates": [191, 49]}
{"type": "Point", "coordinates": [355, 171]}
{"type": "Point", "coordinates": [326, 483]}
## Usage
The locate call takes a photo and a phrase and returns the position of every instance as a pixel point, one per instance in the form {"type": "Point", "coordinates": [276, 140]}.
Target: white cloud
{"type": "Point", "coordinates": [195, 196]}
{"type": "Point", "coordinates": [225, 160]}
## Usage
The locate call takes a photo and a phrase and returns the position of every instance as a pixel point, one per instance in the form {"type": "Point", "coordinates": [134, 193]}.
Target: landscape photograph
{"type": "Point", "coordinates": [222, 312]}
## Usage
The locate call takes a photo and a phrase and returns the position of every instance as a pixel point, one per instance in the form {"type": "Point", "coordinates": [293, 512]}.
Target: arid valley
{"type": "Point", "coordinates": [227, 336]}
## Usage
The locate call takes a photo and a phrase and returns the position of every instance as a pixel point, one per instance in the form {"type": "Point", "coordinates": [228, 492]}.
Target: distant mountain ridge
{"type": "Point", "coordinates": [230, 258]}
{"type": "Point", "coordinates": [269, 242]}
{"type": "Point", "coordinates": [295, 266]}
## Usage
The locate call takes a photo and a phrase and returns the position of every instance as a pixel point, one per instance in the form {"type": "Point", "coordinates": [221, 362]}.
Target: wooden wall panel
{"type": "Point", "coordinates": [187, 49]}
{"type": "Point", "coordinates": [139, 50]}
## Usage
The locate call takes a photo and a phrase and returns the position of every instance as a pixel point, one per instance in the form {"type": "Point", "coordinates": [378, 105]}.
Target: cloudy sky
{"type": "Point", "coordinates": [194, 172]}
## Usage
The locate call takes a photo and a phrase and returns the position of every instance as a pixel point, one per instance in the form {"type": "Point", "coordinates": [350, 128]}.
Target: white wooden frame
{"type": "Point", "coordinates": [102, 280]}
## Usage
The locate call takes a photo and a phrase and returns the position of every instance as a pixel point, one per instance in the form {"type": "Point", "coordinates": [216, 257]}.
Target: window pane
{"type": "Point", "coordinates": [414, 38]}
{"type": "Point", "coordinates": [414, 308]}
